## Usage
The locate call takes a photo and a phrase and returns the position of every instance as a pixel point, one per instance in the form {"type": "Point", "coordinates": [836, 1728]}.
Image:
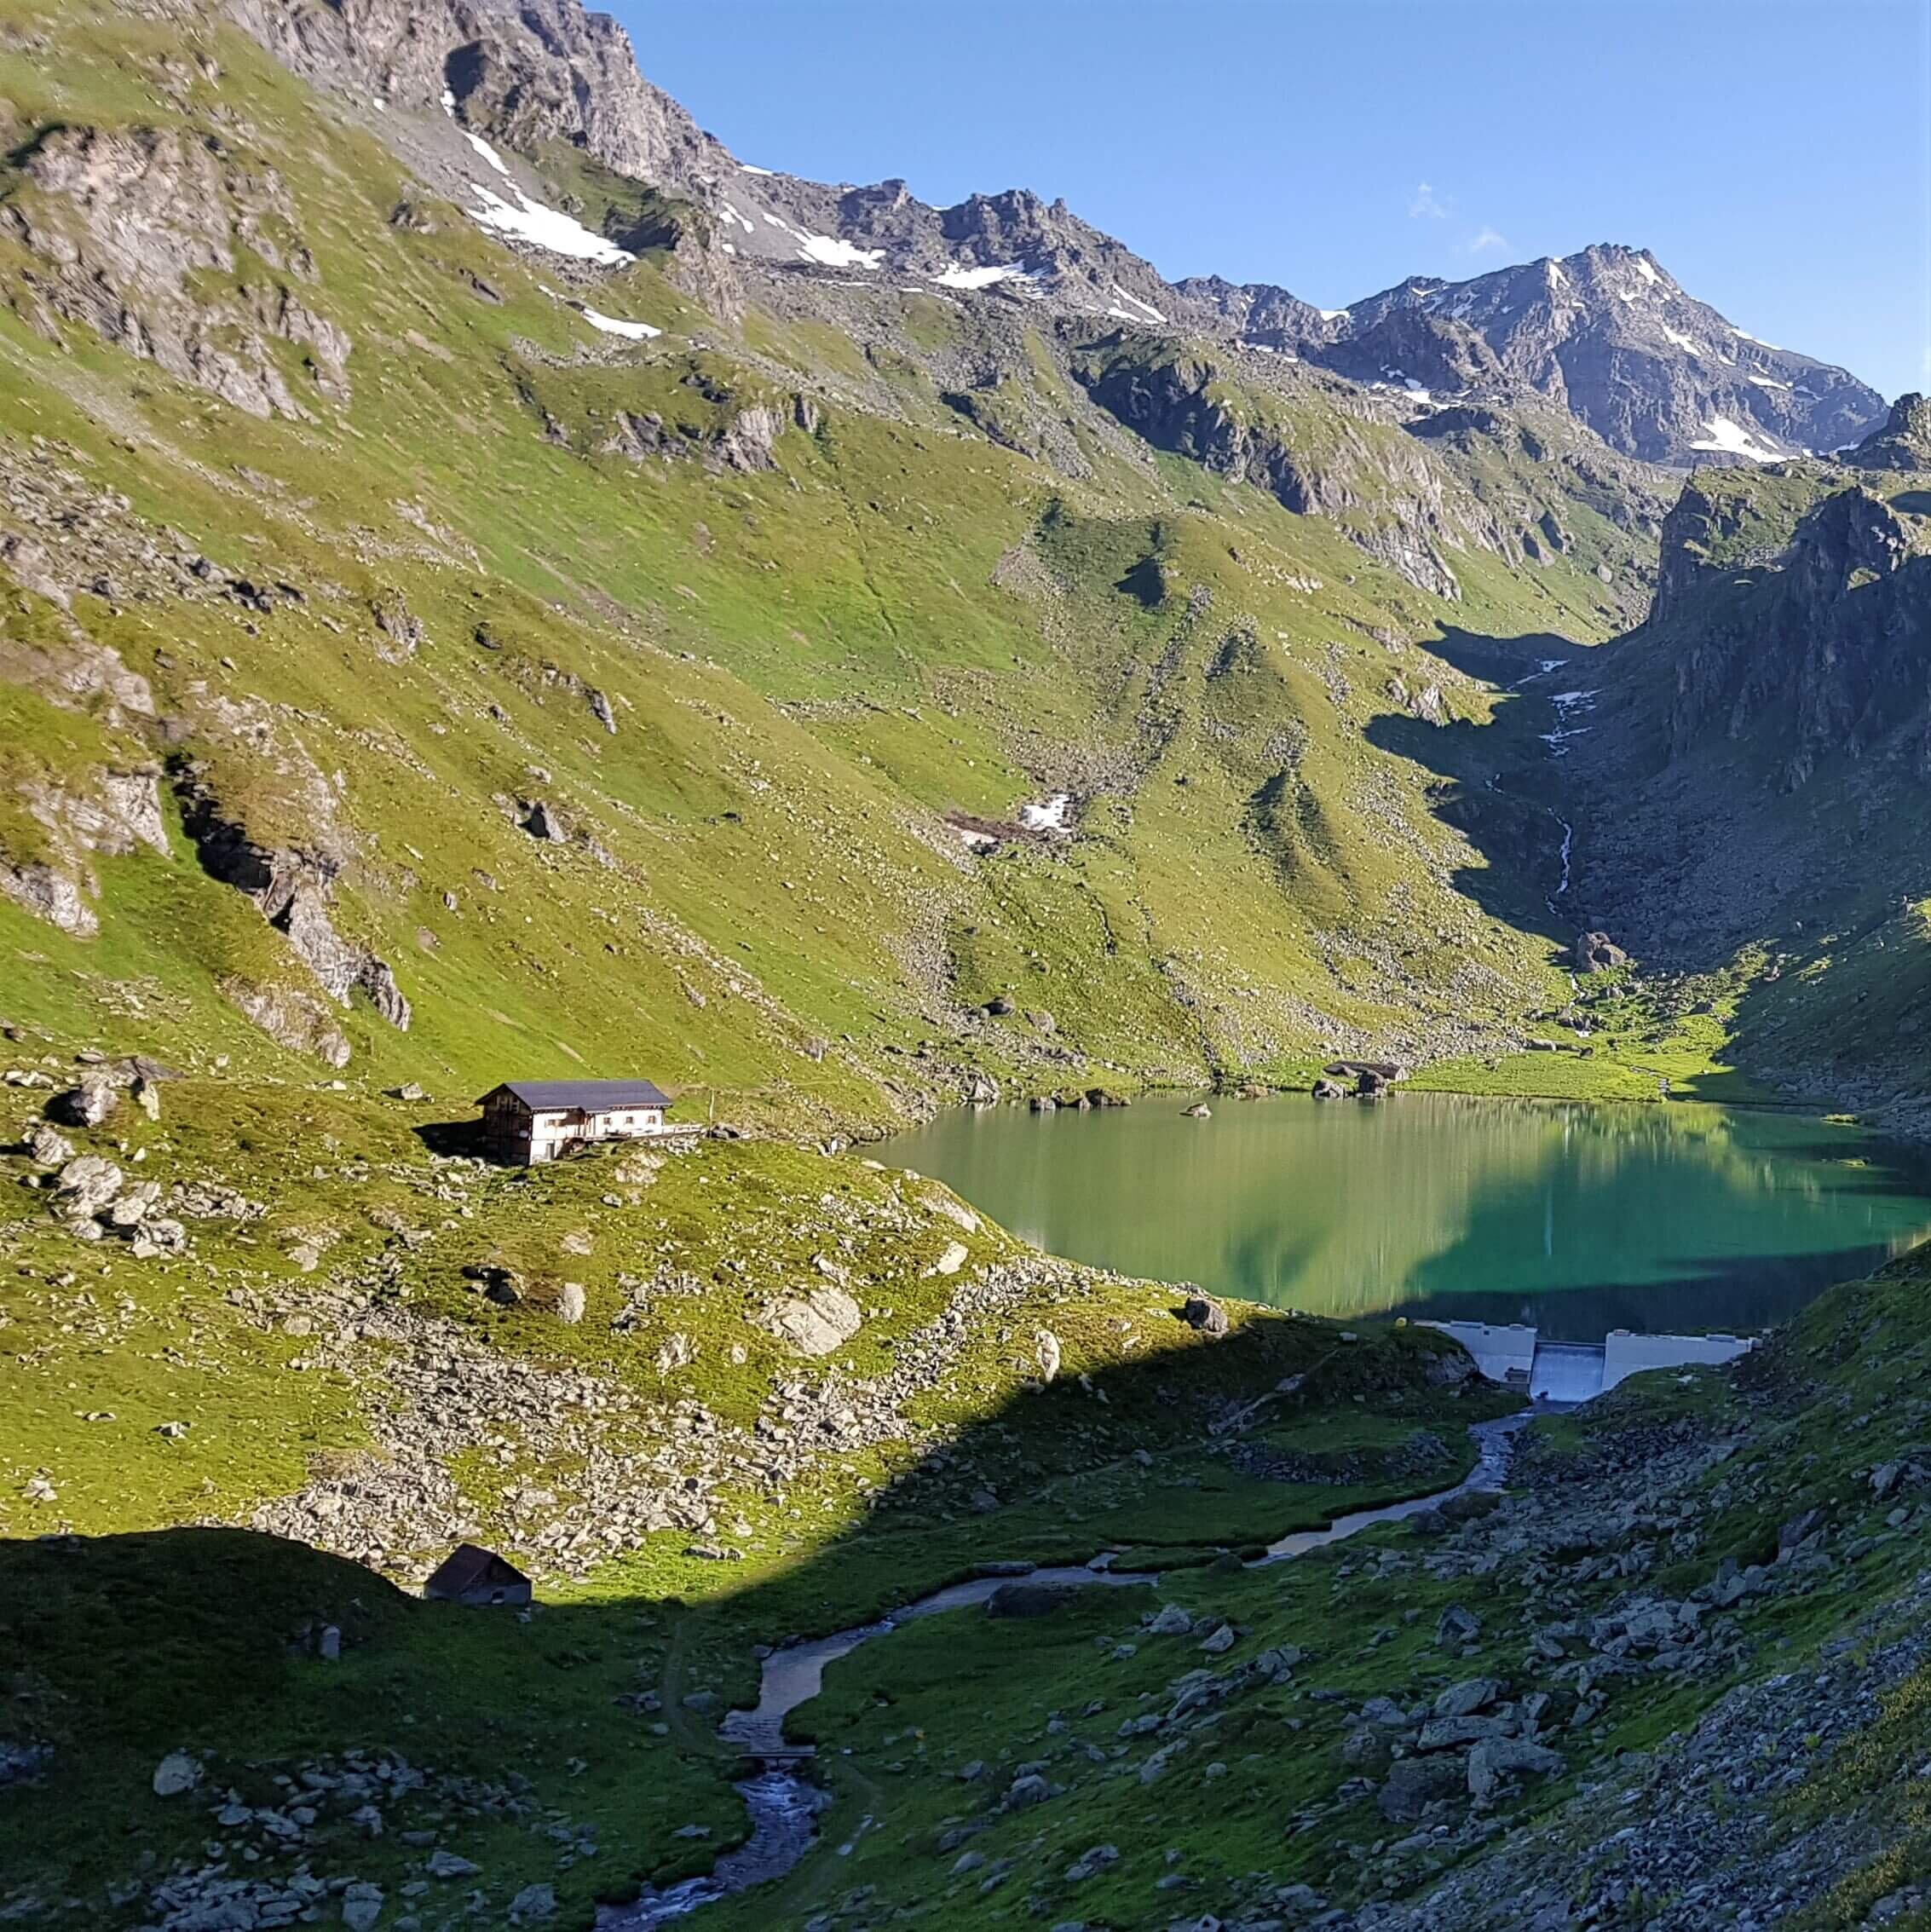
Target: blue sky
{"type": "Point", "coordinates": [1776, 154]}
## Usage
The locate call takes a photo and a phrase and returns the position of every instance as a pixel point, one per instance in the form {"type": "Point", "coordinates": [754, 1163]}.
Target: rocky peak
{"type": "Point", "coordinates": [521, 72]}
{"type": "Point", "coordinates": [1905, 440]}
{"type": "Point", "coordinates": [1262, 313]}
{"type": "Point", "coordinates": [1658, 374]}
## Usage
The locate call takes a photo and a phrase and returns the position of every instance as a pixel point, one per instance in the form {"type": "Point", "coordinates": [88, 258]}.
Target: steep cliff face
{"type": "Point", "coordinates": [521, 72]}
{"type": "Point", "coordinates": [1824, 655]}
{"type": "Point", "coordinates": [1755, 758]}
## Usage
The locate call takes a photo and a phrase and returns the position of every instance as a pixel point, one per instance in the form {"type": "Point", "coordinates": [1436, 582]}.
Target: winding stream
{"type": "Point", "coordinates": [783, 1804]}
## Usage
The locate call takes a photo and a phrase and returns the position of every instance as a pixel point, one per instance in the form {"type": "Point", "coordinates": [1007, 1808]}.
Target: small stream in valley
{"type": "Point", "coordinates": [783, 1803]}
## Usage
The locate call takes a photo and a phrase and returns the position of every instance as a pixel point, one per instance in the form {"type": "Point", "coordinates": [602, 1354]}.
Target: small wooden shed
{"type": "Point", "coordinates": [472, 1575]}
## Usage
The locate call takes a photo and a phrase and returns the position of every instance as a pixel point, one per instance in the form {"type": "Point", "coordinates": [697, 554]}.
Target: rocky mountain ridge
{"type": "Point", "coordinates": [1606, 333]}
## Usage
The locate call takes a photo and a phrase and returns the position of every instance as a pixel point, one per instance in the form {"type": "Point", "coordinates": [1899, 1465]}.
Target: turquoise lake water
{"type": "Point", "coordinates": [1579, 1218]}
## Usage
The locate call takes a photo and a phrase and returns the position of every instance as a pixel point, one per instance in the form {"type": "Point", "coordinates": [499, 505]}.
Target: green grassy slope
{"type": "Point", "coordinates": [807, 666]}
{"type": "Point", "coordinates": [682, 1484]}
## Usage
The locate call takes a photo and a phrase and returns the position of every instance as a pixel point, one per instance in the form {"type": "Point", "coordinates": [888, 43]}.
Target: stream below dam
{"type": "Point", "coordinates": [783, 1803]}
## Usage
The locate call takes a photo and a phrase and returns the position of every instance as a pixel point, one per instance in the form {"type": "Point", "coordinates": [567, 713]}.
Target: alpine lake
{"type": "Point", "coordinates": [1675, 1217]}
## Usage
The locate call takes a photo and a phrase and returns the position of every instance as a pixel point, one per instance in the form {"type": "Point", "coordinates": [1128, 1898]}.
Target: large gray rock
{"type": "Point", "coordinates": [87, 1184]}
{"type": "Point", "coordinates": [1493, 1757]}
{"type": "Point", "coordinates": [176, 1773]}
{"type": "Point", "coordinates": [817, 1323]}
{"type": "Point", "coordinates": [1466, 1698]}
{"type": "Point", "coordinates": [361, 1905]}
{"type": "Point", "coordinates": [1413, 1783]}
{"type": "Point", "coordinates": [88, 1104]}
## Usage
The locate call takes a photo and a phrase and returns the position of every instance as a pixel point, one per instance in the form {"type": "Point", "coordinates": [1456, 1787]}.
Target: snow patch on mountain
{"type": "Point", "coordinates": [483, 148]}
{"type": "Point", "coordinates": [547, 228]}
{"type": "Point", "coordinates": [1146, 308]}
{"type": "Point", "coordinates": [616, 325]}
{"type": "Point", "coordinates": [1731, 439]}
{"type": "Point", "coordinates": [958, 275]}
{"type": "Point", "coordinates": [835, 254]}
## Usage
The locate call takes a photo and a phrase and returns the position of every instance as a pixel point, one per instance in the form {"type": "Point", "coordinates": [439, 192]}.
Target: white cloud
{"type": "Point", "coordinates": [1486, 238]}
{"type": "Point", "coordinates": [1427, 204]}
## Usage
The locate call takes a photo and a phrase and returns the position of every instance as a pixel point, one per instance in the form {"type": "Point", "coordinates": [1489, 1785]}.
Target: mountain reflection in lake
{"type": "Point", "coordinates": [1580, 1218]}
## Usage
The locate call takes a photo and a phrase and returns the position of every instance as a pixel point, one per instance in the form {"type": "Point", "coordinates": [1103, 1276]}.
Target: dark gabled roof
{"type": "Point", "coordinates": [542, 1096]}
{"type": "Point", "coordinates": [470, 1567]}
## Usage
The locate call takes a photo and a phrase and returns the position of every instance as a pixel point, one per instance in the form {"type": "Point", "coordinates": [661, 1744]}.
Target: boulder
{"type": "Point", "coordinates": [1493, 1757]}
{"type": "Point", "coordinates": [361, 1905]}
{"type": "Point", "coordinates": [1596, 952]}
{"type": "Point", "coordinates": [1098, 1858]}
{"type": "Point", "coordinates": [1413, 1784]}
{"type": "Point", "coordinates": [1202, 1312]}
{"type": "Point", "coordinates": [540, 821]}
{"type": "Point", "coordinates": [1047, 1353]}
{"type": "Point", "coordinates": [1199, 1111]}
{"type": "Point", "coordinates": [46, 1148]}
{"type": "Point", "coordinates": [1030, 1788]}
{"type": "Point", "coordinates": [815, 1323]}
{"type": "Point", "coordinates": [1457, 1625]}
{"type": "Point", "coordinates": [87, 1104]}
{"type": "Point", "coordinates": [1466, 1698]}
{"type": "Point", "coordinates": [176, 1773]}
{"type": "Point", "coordinates": [570, 1303]}
{"type": "Point", "coordinates": [1798, 1531]}
{"type": "Point", "coordinates": [1451, 1733]}
{"type": "Point", "coordinates": [1172, 1621]}
{"type": "Point", "coordinates": [87, 1184]}
{"type": "Point", "coordinates": [1326, 1089]}
{"type": "Point", "coordinates": [534, 1902]}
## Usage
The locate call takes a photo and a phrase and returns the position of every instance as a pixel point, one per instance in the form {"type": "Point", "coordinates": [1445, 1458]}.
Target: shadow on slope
{"type": "Point", "coordinates": [336, 1728]}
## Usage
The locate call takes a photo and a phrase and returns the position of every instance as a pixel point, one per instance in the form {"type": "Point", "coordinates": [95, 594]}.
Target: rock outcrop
{"type": "Point", "coordinates": [111, 813]}
{"type": "Point", "coordinates": [120, 223]}
{"type": "Point", "coordinates": [292, 890]}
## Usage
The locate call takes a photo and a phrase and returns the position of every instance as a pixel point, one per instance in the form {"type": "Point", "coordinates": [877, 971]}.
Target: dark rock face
{"type": "Point", "coordinates": [1824, 655]}
{"type": "Point", "coordinates": [292, 890]}
{"type": "Point", "coordinates": [1902, 443]}
{"type": "Point", "coordinates": [1177, 402]}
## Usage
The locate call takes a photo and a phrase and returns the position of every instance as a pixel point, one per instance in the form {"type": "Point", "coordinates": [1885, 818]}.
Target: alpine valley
{"type": "Point", "coordinates": [492, 587]}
